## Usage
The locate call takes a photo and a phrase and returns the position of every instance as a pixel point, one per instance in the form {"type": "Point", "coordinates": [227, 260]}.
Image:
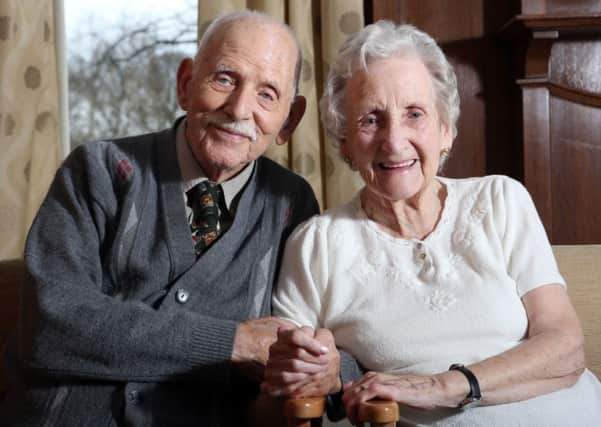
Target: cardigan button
{"type": "Point", "coordinates": [133, 397]}
{"type": "Point", "coordinates": [182, 296]}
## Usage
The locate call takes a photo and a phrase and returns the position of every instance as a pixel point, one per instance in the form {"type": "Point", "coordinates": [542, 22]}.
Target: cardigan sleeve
{"type": "Point", "coordinates": [74, 325]}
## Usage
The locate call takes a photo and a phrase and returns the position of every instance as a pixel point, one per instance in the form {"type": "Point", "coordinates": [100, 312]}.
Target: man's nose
{"type": "Point", "coordinates": [240, 103]}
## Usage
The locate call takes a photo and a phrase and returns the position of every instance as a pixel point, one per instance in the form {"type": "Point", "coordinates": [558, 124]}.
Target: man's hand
{"type": "Point", "coordinates": [302, 362]}
{"type": "Point", "coordinates": [251, 345]}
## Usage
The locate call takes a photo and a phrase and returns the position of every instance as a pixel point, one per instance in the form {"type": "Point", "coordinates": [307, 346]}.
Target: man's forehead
{"type": "Point", "coordinates": [253, 28]}
{"type": "Point", "coordinates": [264, 45]}
{"type": "Point", "coordinates": [255, 36]}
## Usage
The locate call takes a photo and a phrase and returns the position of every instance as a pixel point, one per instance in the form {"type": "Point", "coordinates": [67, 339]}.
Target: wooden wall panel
{"type": "Point", "coordinates": [461, 20]}
{"type": "Point", "coordinates": [575, 116]}
{"type": "Point", "coordinates": [536, 137]}
{"type": "Point", "coordinates": [561, 101]}
{"type": "Point", "coordinates": [576, 172]}
{"type": "Point", "coordinates": [560, 7]}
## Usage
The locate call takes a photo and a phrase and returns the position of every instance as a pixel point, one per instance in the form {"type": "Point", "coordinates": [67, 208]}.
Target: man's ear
{"type": "Point", "coordinates": [294, 117]}
{"type": "Point", "coordinates": [185, 72]}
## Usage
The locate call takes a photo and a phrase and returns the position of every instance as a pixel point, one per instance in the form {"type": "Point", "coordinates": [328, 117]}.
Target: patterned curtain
{"type": "Point", "coordinates": [321, 27]}
{"type": "Point", "coordinates": [30, 122]}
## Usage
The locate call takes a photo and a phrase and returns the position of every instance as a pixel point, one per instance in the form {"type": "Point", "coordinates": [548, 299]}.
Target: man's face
{"type": "Point", "coordinates": [238, 95]}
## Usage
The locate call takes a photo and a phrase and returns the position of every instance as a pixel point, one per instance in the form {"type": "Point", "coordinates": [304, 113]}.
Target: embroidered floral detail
{"type": "Point", "coordinates": [450, 266]}
{"type": "Point", "coordinates": [478, 211]}
{"type": "Point", "coordinates": [374, 272]}
{"type": "Point", "coordinates": [477, 204]}
{"type": "Point", "coordinates": [461, 238]}
{"type": "Point", "coordinates": [440, 300]}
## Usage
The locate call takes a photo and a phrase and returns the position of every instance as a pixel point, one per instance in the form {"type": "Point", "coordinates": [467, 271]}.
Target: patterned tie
{"type": "Point", "coordinates": [203, 199]}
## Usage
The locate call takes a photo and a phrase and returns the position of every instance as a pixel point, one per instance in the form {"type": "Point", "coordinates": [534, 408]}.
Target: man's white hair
{"type": "Point", "coordinates": [229, 18]}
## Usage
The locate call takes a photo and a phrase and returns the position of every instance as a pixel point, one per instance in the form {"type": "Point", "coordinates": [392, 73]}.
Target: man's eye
{"type": "Point", "coordinates": [224, 80]}
{"type": "Point", "coordinates": [266, 96]}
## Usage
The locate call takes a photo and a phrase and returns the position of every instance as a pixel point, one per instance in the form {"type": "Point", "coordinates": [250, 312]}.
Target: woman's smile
{"type": "Point", "coordinates": [403, 166]}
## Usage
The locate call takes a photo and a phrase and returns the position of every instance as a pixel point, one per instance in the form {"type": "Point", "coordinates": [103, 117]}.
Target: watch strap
{"type": "Point", "coordinates": [474, 396]}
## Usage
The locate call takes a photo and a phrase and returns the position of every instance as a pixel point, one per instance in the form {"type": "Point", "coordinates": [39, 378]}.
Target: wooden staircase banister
{"type": "Point", "coordinates": [379, 413]}
{"type": "Point", "coordinates": [300, 411]}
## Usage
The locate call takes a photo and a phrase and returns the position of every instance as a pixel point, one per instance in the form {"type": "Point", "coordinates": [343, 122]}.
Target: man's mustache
{"type": "Point", "coordinates": [243, 127]}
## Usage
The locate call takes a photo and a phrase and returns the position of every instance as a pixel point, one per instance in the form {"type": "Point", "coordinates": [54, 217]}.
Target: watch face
{"type": "Point", "coordinates": [469, 403]}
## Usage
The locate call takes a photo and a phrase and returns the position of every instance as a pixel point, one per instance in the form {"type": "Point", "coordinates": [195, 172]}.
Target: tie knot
{"type": "Point", "coordinates": [204, 195]}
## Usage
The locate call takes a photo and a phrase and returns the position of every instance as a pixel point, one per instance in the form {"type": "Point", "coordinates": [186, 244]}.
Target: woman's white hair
{"type": "Point", "coordinates": [382, 40]}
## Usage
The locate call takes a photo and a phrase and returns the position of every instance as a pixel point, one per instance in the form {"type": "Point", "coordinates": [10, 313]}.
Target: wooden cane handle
{"type": "Point", "coordinates": [300, 411]}
{"type": "Point", "coordinates": [379, 412]}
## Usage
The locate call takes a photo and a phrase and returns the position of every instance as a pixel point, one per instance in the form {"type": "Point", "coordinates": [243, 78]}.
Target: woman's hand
{"type": "Point", "coordinates": [424, 392]}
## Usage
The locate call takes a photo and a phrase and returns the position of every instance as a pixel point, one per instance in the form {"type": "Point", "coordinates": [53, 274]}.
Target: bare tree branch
{"type": "Point", "coordinates": [126, 83]}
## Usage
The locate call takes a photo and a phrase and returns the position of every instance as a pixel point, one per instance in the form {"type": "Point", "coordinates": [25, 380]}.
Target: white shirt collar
{"type": "Point", "coordinates": [192, 173]}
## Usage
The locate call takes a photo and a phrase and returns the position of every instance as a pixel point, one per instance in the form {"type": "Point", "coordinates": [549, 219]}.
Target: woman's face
{"type": "Point", "coordinates": [393, 131]}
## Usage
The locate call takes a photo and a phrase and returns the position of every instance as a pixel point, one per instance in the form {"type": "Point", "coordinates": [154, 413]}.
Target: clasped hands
{"type": "Point", "coordinates": [290, 361]}
{"type": "Point", "coordinates": [302, 362]}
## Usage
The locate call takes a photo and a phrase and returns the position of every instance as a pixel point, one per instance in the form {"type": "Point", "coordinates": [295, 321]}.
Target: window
{"type": "Point", "coordinates": [122, 59]}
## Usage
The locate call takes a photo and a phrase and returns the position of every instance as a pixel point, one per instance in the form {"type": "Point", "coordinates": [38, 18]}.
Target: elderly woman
{"type": "Point", "coordinates": [446, 289]}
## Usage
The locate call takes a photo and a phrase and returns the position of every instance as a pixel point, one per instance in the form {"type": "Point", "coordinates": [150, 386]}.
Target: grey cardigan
{"type": "Point", "coordinates": [104, 338]}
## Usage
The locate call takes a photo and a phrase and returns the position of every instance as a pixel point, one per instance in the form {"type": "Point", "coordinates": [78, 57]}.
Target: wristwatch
{"type": "Point", "coordinates": [473, 398]}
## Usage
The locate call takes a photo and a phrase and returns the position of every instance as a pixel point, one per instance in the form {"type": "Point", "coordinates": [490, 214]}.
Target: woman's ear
{"type": "Point", "coordinates": [185, 72]}
{"type": "Point", "coordinates": [345, 154]}
{"type": "Point", "coordinates": [447, 136]}
{"type": "Point", "coordinates": [294, 117]}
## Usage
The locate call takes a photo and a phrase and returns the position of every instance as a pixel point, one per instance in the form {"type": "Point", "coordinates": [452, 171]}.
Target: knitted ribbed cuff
{"type": "Point", "coordinates": [211, 349]}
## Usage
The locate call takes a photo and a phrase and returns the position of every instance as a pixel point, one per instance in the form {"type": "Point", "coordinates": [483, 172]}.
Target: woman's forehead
{"type": "Point", "coordinates": [396, 77]}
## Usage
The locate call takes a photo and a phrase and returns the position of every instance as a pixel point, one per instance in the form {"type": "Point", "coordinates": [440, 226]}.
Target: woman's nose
{"type": "Point", "coordinates": [394, 136]}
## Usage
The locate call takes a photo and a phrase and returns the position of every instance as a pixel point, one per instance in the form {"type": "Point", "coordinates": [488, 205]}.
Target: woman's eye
{"type": "Point", "coordinates": [370, 120]}
{"type": "Point", "coordinates": [415, 114]}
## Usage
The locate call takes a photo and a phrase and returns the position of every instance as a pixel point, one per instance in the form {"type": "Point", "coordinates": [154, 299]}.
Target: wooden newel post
{"type": "Point", "coordinates": [380, 413]}
{"type": "Point", "coordinates": [300, 412]}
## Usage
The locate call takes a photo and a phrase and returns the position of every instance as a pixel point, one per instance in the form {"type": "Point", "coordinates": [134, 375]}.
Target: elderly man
{"type": "Point", "coordinates": [151, 261]}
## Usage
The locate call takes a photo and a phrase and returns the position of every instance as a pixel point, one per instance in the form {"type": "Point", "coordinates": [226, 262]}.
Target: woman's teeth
{"type": "Point", "coordinates": [407, 163]}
